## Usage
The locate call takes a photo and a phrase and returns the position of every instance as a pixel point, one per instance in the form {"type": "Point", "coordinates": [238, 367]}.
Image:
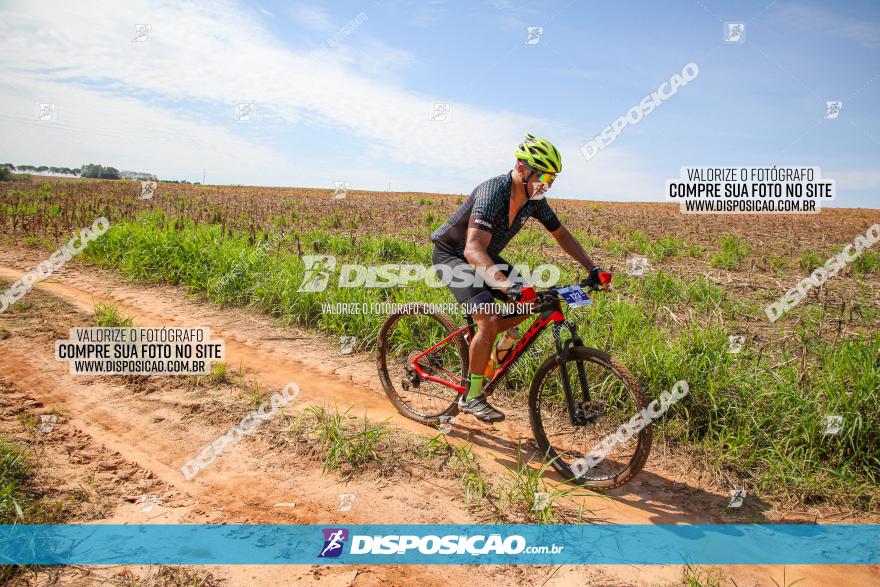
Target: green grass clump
{"type": "Point", "coordinates": [660, 288]}
{"type": "Point", "coordinates": [692, 576]}
{"type": "Point", "coordinates": [756, 417]}
{"type": "Point", "coordinates": [19, 502]}
{"type": "Point", "coordinates": [467, 470]}
{"type": "Point", "coordinates": [523, 492]}
{"type": "Point", "coordinates": [733, 251]}
{"type": "Point", "coordinates": [703, 295]}
{"type": "Point", "coordinates": [762, 421]}
{"type": "Point", "coordinates": [867, 263]}
{"type": "Point", "coordinates": [333, 220]}
{"type": "Point", "coordinates": [13, 474]}
{"type": "Point", "coordinates": [696, 251]}
{"type": "Point", "coordinates": [109, 316]}
{"type": "Point", "coordinates": [809, 261]}
{"type": "Point", "coordinates": [776, 263]}
{"type": "Point", "coordinates": [666, 247]}
{"type": "Point", "coordinates": [345, 447]}
{"type": "Point", "coordinates": [14, 471]}
{"type": "Point", "coordinates": [219, 374]}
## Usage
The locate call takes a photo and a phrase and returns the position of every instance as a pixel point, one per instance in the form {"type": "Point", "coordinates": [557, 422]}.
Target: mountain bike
{"type": "Point", "coordinates": [578, 396]}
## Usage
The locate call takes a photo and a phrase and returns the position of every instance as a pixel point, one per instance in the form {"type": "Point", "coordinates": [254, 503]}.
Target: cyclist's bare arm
{"type": "Point", "coordinates": [570, 245]}
{"type": "Point", "coordinates": [475, 252]}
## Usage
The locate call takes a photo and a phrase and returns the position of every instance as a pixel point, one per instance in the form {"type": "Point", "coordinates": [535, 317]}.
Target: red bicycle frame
{"type": "Point", "coordinates": [544, 319]}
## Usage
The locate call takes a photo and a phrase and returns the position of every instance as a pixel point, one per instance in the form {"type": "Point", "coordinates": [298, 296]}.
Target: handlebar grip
{"type": "Point", "coordinates": [603, 278]}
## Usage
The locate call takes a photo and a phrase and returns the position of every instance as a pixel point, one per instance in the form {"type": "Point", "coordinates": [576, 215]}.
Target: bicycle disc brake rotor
{"type": "Point", "coordinates": [593, 410]}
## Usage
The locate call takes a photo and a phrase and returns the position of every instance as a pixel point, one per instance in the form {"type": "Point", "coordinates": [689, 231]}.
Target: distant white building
{"type": "Point", "coordinates": [138, 175]}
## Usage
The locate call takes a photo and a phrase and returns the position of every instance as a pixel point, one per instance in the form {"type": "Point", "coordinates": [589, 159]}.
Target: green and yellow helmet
{"type": "Point", "coordinates": [539, 154]}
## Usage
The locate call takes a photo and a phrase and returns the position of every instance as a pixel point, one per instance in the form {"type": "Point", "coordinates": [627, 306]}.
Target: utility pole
{"type": "Point", "coordinates": [204, 171]}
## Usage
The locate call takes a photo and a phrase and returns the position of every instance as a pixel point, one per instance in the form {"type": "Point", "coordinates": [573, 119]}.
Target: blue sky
{"type": "Point", "coordinates": [360, 111]}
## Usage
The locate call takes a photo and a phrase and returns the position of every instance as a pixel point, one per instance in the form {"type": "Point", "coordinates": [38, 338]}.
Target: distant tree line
{"type": "Point", "coordinates": [99, 172]}
{"type": "Point", "coordinates": [91, 170]}
{"type": "Point", "coordinates": [40, 169]}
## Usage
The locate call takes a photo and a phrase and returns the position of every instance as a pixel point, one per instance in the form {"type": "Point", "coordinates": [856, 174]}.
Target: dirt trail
{"type": "Point", "coordinates": [278, 356]}
{"type": "Point", "coordinates": [151, 432]}
{"type": "Point", "coordinates": [245, 485]}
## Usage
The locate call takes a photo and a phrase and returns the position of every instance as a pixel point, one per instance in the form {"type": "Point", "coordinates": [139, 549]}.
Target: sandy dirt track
{"type": "Point", "coordinates": [141, 439]}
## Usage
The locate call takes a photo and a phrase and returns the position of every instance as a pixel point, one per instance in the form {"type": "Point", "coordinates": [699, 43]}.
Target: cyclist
{"type": "Point", "coordinates": [470, 243]}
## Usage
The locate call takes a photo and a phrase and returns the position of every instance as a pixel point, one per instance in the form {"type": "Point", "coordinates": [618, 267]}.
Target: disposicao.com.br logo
{"type": "Point", "coordinates": [319, 268]}
{"type": "Point", "coordinates": [334, 542]}
{"type": "Point", "coordinates": [454, 544]}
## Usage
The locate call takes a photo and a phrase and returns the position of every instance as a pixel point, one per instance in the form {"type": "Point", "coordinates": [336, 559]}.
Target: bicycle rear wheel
{"type": "Point", "coordinates": [405, 335]}
{"type": "Point", "coordinates": [615, 397]}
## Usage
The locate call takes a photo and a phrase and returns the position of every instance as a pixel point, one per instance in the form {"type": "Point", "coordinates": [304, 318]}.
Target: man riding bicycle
{"type": "Point", "coordinates": [471, 241]}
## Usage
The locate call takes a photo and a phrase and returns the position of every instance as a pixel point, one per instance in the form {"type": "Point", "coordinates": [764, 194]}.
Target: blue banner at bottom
{"type": "Point", "coordinates": [790, 544]}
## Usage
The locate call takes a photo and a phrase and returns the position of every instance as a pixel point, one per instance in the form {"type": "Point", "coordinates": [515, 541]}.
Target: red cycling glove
{"type": "Point", "coordinates": [526, 294]}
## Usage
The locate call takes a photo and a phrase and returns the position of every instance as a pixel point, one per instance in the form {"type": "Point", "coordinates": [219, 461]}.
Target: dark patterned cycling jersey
{"type": "Point", "coordinates": [488, 208]}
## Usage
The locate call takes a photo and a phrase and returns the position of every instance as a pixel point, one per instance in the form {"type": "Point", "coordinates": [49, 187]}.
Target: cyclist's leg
{"type": "Point", "coordinates": [477, 300]}
{"type": "Point", "coordinates": [511, 322]}
{"type": "Point", "coordinates": [474, 401]}
{"type": "Point", "coordinates": [519, 314]}
{"type": "Point", "coordinates": [488, 328]}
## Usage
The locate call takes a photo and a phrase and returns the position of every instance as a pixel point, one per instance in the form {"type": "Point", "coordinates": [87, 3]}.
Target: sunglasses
{"type": "Point", "coordinates": [545, 178]}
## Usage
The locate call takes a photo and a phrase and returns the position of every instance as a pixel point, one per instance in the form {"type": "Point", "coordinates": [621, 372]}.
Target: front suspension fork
{"type": "Point", "coordinates": [563, 350]}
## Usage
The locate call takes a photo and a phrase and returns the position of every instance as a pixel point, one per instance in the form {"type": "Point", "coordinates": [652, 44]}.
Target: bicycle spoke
{"type": "Point", "coordinates": [611, 406]}
{"type": "Point", "coordinates": [407, 338]}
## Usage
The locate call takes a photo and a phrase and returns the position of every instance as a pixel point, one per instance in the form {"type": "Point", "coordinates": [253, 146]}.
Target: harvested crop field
{"type": "Point", "coordinates": [197, 255]}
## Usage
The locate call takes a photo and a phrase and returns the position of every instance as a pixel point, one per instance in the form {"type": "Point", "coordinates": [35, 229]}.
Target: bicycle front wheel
{"type": "Point", "coordinates": [615, 397]}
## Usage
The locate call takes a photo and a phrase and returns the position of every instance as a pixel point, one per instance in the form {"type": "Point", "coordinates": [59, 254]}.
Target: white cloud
{"type": "Point", "coordinates": [124, 132]}
{"type": "Point", "coordinates": [854, 180]}
{"type": "Point", "coordinates": [860, 30]}
{"type": "Point", "coordinates": [314, 17]}
{"type": "Point", "coordinates": [148, 105]}
{"type": "Point", "coordinates": [422, 14]}
{"type": "Point", "coordinates": [509, 14]}
{"type": "Point", "coordinates": [612, 174]}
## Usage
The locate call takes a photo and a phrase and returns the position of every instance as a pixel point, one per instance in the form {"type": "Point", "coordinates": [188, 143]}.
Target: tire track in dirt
{"type": "Point", "coordinates": [262, 348]}
{"type": "Point", "coordinates": [267, 350]}
{"type": "Point", "coordinates": [243, 486]}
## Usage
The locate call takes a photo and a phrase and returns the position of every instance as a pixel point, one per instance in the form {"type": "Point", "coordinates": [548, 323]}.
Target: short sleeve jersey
{"type": "Point", "coordinates": [488, 208]}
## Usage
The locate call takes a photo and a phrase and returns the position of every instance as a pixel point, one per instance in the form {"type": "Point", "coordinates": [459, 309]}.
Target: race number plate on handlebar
{"type": "Point", "coordinates": [574, 296]}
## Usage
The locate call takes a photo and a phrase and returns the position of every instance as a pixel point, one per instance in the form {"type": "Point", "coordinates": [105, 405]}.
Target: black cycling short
{"type": "Point", "coordinates": [475, 292]}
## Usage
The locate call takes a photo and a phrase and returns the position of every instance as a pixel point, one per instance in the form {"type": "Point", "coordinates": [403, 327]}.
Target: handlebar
{"type": "Point", "coordinates": [551, 295]}
{"type": "Point", "coordinates": [585, 284]}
